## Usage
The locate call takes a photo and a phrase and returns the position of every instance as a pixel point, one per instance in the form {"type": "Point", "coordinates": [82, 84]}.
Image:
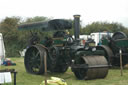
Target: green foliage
{"type": "Point", "coordinates": [8, 28]}
{"type": "Point", "coordinates": [36, 19]}
{"type": "Point", "coordinates": [102, 26]}
{"type": "Point", "coordinates": [16, 40]}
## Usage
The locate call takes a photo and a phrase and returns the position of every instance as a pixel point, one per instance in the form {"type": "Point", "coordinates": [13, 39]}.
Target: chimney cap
{"type": "Point", "coordinates": [77, 15]}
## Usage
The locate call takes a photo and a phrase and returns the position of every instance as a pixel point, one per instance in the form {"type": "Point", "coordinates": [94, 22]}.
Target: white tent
{"type": "Point", "coordinates": [97, 36]}
{"type": "Point", "coordinates": [85, 37]}
{"type": "Point", "coordinates": [2, 49]}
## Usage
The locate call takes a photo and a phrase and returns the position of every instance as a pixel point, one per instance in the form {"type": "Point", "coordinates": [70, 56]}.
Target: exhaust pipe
{"type": "Point", "coordinates": [76, 26]}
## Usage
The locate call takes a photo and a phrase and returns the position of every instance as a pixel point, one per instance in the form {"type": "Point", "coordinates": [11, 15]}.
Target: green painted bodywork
{"type": "Point", "coordinates": [105, 42]}
{"type": "Point", "coordinates": [58, 41]}
{"type": "Point", "coordinates": [122, 43]}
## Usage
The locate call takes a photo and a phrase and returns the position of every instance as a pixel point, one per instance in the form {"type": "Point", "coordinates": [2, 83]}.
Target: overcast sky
{"type": "Point", "coordinates": [90, 10]}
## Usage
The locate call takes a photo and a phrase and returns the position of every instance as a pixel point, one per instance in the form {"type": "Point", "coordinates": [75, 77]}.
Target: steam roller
{"type": "Point", "coordinates": [63, 51]}
{"type": "Point", "coordinates": [111, 47]}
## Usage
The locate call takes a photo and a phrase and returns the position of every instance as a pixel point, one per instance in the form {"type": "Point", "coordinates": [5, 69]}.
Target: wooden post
{"type": "Point", "coordinates": [15, 77]}
{"type": "Point", "coordinates": [121, 67]}
{"type": "Point", "coordinates": [45, 67]}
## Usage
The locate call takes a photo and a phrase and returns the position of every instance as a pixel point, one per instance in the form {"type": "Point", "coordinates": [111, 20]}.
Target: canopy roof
{"type": "Point", "coordinates": [56, 24]}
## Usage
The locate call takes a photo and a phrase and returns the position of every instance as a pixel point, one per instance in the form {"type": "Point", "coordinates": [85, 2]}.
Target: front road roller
{"type": "Point", "coordinates": [90, 67]}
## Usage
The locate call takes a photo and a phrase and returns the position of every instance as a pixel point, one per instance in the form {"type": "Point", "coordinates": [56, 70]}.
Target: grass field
{"type": "Point", "coordinates": [24, 78]}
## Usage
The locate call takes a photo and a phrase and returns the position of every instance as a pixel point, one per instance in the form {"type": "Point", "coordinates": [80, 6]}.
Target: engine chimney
{"type": "Point", "coordinates": [76, 26]}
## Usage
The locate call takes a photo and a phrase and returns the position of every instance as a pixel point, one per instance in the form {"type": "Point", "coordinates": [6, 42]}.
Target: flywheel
{"type": "Point", "coordinates": [58, 64]}
{"type": "Point", "coordinates": [119, 35]}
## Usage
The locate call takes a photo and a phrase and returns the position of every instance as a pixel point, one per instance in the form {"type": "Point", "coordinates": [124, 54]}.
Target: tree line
{"type": "Point", "coordinates": [16, 40]}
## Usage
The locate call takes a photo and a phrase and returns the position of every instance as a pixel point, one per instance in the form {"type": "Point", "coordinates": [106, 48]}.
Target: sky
{"type": "Point", "coordinates": [90, 10]}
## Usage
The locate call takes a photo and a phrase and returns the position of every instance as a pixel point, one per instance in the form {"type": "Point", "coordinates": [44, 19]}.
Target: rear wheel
{"type": "Point", "coordinates": [34, 59]}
